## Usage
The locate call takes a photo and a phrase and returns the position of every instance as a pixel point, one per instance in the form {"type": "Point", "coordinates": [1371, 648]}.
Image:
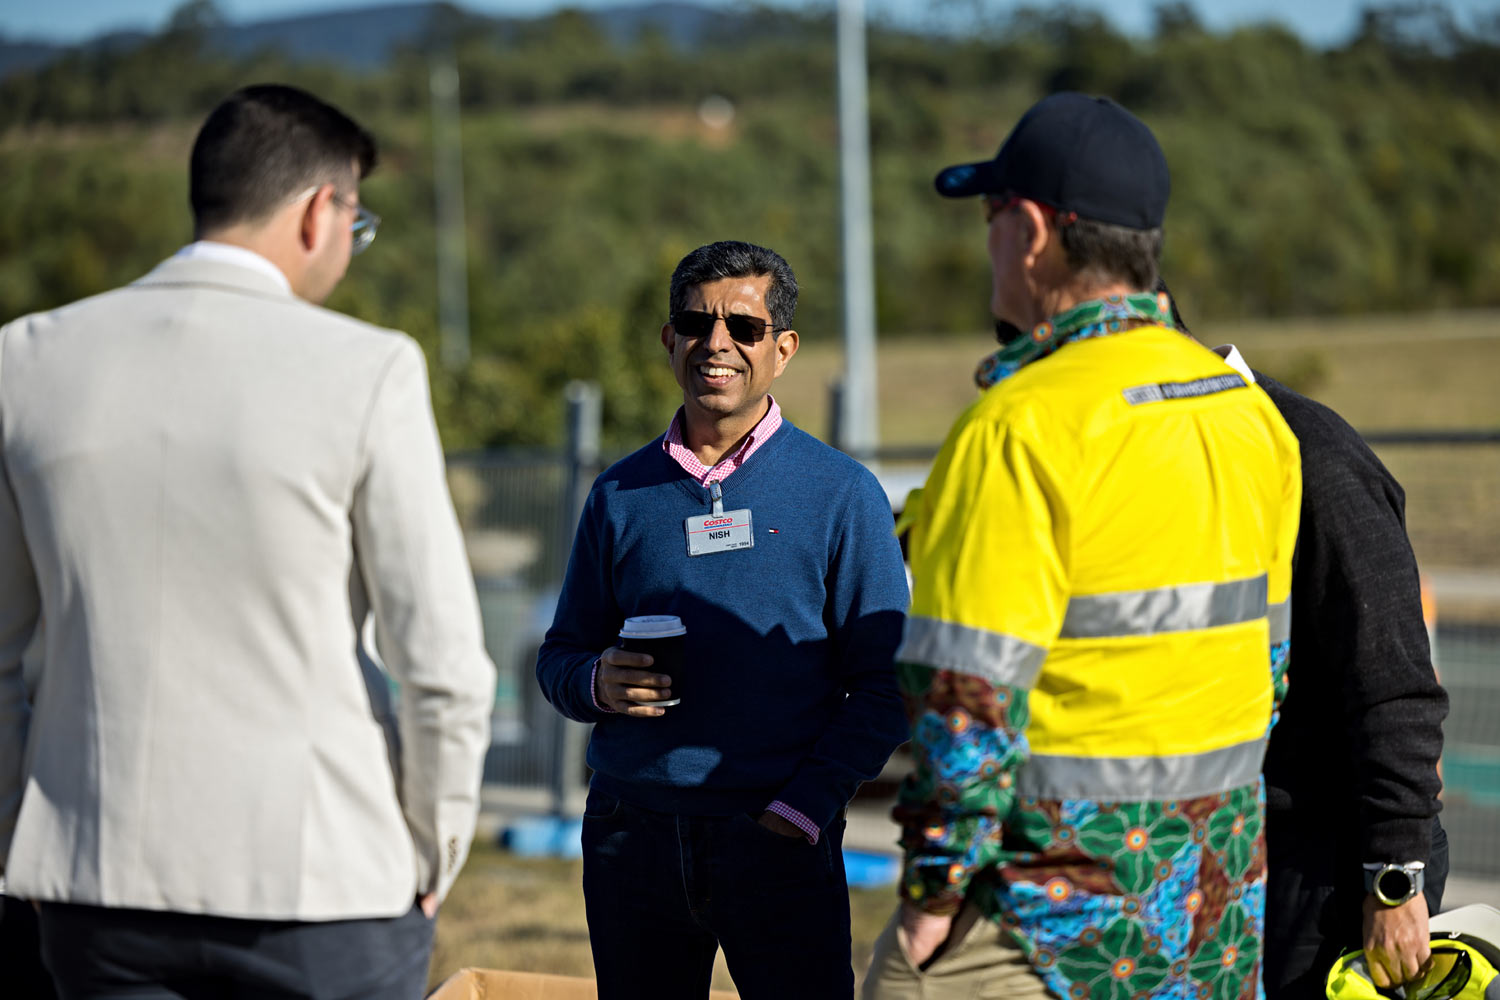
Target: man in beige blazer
{"type": "Point", "coordinates": [208, 483]}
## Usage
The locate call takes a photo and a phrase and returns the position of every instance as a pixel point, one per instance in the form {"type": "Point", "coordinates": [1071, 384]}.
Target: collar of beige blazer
{"type": "Point", "coordinates": [186, 272]}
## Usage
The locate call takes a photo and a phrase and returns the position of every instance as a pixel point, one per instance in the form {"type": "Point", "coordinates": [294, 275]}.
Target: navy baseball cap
{"type": "Point", "coordinates": [1078, 154]}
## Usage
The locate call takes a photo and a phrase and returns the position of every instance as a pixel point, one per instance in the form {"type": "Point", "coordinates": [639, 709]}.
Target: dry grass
{"type": "Point", "coordinates": [513, 913]}
{"type": "Point", "coordinates": [1436, 370]}
{"type": "Point", "coordinates": [526, 914]}
{"type": "Point", "coordinates": [657, 122]}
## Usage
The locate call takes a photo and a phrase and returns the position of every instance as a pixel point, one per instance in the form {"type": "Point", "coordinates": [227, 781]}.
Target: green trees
{"type": "Point", "coordinates": [1360, 178]}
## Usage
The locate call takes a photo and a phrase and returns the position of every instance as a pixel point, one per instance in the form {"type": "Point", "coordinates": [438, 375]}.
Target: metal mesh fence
{"type": "Point", "coordinates": [1468, 657]}
{"type": "Point", "coordinates": [1452, 501]}
{"type": "Point", "coordinates": [517, 521]}
{"type": "Point", "coordinates": [1452, 489]}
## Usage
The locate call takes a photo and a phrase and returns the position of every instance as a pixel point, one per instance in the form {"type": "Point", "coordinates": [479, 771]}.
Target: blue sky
{"type": "Point", "coordinates": [1319, 21]}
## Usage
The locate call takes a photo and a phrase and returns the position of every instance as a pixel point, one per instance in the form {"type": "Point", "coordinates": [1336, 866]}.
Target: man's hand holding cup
{"type": "Point", "coordinates": [625, 682]}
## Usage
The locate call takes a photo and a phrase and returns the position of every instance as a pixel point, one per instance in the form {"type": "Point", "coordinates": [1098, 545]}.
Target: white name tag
{"type": "Point", "coordinates": [710, 533]}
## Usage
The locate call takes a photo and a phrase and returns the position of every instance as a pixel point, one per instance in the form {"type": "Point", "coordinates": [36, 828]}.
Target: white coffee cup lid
{"type": "Point", "coordinates": [652, 627]}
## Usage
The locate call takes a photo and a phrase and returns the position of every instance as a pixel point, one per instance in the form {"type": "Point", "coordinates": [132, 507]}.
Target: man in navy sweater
{"type": "Point", "coordinates": [718, 821]}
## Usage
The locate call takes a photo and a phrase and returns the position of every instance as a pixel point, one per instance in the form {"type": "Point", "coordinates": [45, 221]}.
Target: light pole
{"type": "Point", "coordinates": [858, 433]}
{"type": "Point", "coordinates": [448, 184]}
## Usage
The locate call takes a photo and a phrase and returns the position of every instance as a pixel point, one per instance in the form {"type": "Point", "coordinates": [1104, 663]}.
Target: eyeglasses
{"type": "Point", "coordinates": [742, 329]}
{"type": "Point", "coordinates": [1447, 974]}
{"type": "Point", "coordinates": [366, 223]}
{"type": "Point", "coordinates": [994, 204]}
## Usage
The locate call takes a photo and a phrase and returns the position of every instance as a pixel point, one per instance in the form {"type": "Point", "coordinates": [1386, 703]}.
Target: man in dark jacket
{"type": "Point", "coordinates": [1357, 856]}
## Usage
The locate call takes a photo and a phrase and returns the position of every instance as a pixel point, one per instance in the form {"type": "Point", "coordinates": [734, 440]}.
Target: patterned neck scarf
{"type": "Point", "coordinates": [1094, 318]}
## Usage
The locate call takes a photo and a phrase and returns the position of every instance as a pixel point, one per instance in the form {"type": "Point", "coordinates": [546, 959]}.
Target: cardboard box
{"type": "Point", "coordinates": [492, 984]}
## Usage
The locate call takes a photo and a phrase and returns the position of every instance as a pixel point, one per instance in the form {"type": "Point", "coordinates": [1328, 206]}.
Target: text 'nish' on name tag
{"type": "Point", "coordinates": [710, 533]}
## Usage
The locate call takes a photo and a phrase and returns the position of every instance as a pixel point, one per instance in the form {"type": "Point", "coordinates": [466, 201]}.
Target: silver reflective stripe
{"type": "Point", "coordinates": [1281, 620]}
{"type": "Point", "coordinates": [1166, 609]}
{"type": "Point", "coordinates": [1134, 779]}
{"type": "Point", "coordinates": [994, 656]}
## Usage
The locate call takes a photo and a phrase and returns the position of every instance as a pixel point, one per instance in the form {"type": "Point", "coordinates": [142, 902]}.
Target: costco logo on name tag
{"type": "Point", "coordinates": [707, 534]}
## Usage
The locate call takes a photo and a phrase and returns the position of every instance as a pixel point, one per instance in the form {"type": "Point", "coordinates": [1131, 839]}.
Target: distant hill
{"type": "Point", "coordinates": [365, 38]}
{"type": "Point", "coordinates": [18, 55]}
{"type": "Point", "coordinates": [683, 24]}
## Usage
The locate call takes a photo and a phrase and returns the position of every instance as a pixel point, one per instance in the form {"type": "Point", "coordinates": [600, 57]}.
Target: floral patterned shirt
{"type": "Point", "coordinates": [1116, 900]}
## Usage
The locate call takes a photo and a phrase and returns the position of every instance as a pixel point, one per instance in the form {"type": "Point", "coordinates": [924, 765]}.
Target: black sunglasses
{"type": "Point", "coordinates": [742, 329]}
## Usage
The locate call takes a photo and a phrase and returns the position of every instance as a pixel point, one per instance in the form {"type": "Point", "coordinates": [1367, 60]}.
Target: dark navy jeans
{"type": "Point", "coordinates": [664, 892]}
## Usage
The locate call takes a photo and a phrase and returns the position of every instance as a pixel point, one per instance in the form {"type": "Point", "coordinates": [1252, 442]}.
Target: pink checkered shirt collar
{"type": "Point", "coordinates": [683, 456]}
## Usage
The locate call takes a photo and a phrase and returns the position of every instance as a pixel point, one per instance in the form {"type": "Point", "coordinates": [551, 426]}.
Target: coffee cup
{"type": "Point", "coordinates": [664, 638]}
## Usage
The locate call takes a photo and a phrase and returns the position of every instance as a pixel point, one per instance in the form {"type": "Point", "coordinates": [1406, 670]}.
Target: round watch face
{"type": "Point", "coordinates": [1394, 885]}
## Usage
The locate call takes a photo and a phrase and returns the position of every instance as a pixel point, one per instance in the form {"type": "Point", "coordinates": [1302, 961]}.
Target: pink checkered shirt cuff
{"type": "Point", "coordinates": [594, 689]}
{"type": "Point", "coordinates": [792, 816]}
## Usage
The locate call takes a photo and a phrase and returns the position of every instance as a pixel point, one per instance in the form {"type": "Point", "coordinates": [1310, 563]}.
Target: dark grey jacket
{"type": "Point", "coordinates": [1361, 728]}
{"type": "Point", "coordinates": [1351, 772]}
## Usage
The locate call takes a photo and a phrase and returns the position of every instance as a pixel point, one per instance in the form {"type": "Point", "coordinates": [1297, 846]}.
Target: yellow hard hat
{"type": "Point", "coordinates": [1457, 971]}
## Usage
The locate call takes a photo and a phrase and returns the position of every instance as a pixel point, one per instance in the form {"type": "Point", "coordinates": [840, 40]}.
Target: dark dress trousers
{"type": "Point", "coordinates": [108, 953]}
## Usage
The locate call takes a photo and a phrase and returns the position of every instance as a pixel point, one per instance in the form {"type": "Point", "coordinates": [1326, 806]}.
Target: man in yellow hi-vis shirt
{"type": "Point", "coordinates": [1102, 560]}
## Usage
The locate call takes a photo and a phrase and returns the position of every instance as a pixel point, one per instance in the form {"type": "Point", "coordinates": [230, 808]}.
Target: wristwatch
{"type": "Point", "coordinates": [1394, 884]}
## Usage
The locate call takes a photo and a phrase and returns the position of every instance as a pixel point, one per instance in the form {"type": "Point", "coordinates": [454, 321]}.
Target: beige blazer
{"type": "Point", "coordinates": [206, 484]}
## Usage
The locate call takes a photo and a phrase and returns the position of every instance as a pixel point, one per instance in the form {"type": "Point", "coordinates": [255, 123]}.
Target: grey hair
{"type": "Point", "coordinates": [1114, 253]}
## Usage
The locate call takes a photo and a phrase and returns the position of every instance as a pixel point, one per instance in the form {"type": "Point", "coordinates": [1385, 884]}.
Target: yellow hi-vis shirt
{"type": "Point", "coordinates": [1102, 564]}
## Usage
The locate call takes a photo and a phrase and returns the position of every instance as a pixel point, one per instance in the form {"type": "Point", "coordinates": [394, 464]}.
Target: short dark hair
{"type": "Point", "coordinates": [1113, 253]}
{"type": "Point", "coordinates": [265, 143]}
{"type": "Point", "coordinates": [734, 259]}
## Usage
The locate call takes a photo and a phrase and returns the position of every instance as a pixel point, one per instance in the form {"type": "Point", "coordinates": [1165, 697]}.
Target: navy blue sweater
{"type": "Point", "coordinates": [788, 687]}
